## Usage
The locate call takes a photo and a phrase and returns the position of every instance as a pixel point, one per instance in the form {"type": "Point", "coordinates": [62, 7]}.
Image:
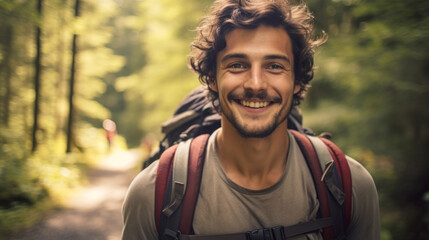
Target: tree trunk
{"type": "Point", "coordinates": [60, 70]}
{"type": "Point", "coordinates": [37, 83]}
{"type": "Point", "coordinates": [72, 85]}
{"type": "Point", "coordinates": [8, 49]}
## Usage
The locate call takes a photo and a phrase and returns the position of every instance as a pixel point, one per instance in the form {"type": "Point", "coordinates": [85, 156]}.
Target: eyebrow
{"type": "Point", "coordinates": [233, 55]}
{"type": "Point", "coordinates": [269, 57]}
{"type": "Point", "coordinates": [276, 56]}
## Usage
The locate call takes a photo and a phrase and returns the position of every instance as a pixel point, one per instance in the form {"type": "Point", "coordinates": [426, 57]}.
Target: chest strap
{"type": "Point", "coordinates": [275, 233]}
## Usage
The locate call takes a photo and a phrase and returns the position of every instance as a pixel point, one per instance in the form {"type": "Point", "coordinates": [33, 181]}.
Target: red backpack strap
{"type": "Point", "coordinates": [164, 170]}
{"type": "Point", "coordinates": [312, 160]}
{"type": "Point", "coordinates": [345, 175]}
{"type": "Point", "coordinates": [177, 187]}
{"type": "Point", "coordinates": [195, 171]}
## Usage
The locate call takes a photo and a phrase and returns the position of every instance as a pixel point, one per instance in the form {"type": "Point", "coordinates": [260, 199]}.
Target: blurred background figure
{"type": "Point", "coordinates": [147, 144]}
{"type": "Point", "coordinates": [110, 128]}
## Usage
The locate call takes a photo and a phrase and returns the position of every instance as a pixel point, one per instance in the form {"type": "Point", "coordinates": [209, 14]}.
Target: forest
{"type": "Point", "coordinates": [67, 65]}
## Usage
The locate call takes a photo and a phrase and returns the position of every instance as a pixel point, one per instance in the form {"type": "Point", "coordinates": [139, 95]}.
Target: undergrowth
{"type": "Point", "coordinates": [32, 184]}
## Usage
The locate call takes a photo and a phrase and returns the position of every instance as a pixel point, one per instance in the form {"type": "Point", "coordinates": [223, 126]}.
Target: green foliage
{"type": "Point", "coordinates": [161, 32]}
{"type": "Point", "coordinates": [21, 216]}
{"type": "Point", "coordinates": [15, 184]}
{"type": "Point", "coordinates": [370, 92]}
{"type": "Point", "coordinates": [32, 183]}
{"type": "Point", "coordinates": [29, 182]}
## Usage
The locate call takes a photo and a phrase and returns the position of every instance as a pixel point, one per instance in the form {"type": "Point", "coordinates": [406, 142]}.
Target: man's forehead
{"type": "Point", "coordinates": [267, 41]}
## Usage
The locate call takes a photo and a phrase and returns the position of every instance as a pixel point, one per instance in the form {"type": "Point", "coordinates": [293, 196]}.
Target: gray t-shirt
{"type": "Point", "coordinates": [225, 207]}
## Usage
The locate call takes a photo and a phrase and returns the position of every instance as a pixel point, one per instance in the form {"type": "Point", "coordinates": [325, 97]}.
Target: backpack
{"type": "Point", "coordinates": [180, 169]}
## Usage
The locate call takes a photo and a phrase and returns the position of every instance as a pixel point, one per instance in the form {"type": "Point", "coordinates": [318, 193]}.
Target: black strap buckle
{"type": "Point", "coordinates": [278, 233]}
{"type": "Point", "coordinates": [275, 233]}
{"type": "Point", "coordinates": [170, 234]}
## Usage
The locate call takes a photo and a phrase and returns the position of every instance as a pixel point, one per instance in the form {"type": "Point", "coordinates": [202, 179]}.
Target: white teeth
{"type": "Point", "coordinates": [254, 104]}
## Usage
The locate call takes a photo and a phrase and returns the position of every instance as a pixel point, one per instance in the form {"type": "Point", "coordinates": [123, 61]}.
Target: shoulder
{"type": "Point", "coordinates": [138, 208]}
{"type": "Point", "coordinates": [362, 181]}
{"type": "Point", "coordinates": [365, 219]}
{"type": "Point", "coordinates": [143, 184]}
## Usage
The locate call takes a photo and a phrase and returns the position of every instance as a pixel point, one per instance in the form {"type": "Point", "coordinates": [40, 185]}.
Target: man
{"type": "Point", "coordinates": [257, 59]}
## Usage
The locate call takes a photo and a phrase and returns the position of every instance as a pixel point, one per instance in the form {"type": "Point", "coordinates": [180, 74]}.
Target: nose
{"type": "Point", "coordinates": [256, 82]}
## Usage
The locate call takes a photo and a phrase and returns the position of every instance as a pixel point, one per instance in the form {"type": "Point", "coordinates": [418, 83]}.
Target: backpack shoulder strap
{"type": "Point", "coordinates": [334, 186]}
{"type": "Point", "coordinates": [177, 186]}
{"type": "Point", "coordinates": [196, 164]}
{"type": "Point", "coordinates": [344, 174]}
{"type": "Point", "coordinates": [162, 176]}
{"type": "Point", "coordinates": [312, 160]}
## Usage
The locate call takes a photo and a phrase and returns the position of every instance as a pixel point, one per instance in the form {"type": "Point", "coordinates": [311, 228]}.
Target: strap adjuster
{"type": "Point", "coordinates": [172, 234]}
{"type": "Point", "coordinates": [275, 233]}
{"type": "Point", "coordinates": [278, 232]}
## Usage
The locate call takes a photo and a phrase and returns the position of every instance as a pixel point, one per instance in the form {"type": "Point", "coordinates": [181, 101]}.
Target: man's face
{"type": "Point", "coordinates": [255, 80]}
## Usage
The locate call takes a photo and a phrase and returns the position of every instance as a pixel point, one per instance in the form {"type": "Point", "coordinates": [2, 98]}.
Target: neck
{"type": "Point", "coordinates": [253, 163]}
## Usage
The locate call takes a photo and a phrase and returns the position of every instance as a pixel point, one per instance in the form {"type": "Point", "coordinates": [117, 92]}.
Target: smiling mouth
{"type": "Point", "coordinates": [252, 104]}
{"type": "Point", "coordinates": [254, 100]}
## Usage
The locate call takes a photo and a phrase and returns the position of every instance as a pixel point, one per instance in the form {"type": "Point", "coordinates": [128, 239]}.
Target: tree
{"type": "Point", "coordinates": [72, 83]}
{"type": "Point", "coordinates": [6, 67]}
{"type": "Point", "coordinates": [37, 83]}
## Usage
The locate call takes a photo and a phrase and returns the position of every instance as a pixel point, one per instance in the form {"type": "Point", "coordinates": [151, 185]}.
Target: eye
{"type": "Point", "coordinates": [275, 66]}
{"type": "Point", "coordinates": [236, 67]}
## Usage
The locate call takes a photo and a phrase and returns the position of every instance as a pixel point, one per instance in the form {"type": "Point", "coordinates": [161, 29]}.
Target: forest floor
{"type": "Point", "coordinates": [94, 212]}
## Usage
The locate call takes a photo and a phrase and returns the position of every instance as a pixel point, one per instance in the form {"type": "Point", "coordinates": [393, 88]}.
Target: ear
{"type": "Point", "coordinates": [296, 88]}
{"type": "Point", "coordinates": [213, 85]}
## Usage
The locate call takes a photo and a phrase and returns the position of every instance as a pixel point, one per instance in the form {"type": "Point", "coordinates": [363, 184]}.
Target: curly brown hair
{"type": "Point", "coordinates": [227, 15]}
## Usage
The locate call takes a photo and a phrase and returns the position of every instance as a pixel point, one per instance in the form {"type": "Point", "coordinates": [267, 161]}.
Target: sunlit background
{"type": "Point", "coordinates": [126, 60]}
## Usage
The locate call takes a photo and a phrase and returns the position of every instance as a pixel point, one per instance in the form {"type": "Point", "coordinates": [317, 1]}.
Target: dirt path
{"type": "Point", "coordinates": [95, 212]}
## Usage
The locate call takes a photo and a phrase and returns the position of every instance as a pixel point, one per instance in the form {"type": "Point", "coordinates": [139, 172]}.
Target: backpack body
{"type": "Point", "coordinates": [179, 177]}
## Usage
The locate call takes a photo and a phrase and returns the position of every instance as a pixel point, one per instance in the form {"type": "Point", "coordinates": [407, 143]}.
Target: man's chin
{"type": "Point", "coordinates": [255, 133]}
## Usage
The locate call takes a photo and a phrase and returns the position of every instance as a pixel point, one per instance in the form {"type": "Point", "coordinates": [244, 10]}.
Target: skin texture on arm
{"type": "Point", "coordinates": [138, 208]}
{"type": "Point", "coordinates": [365, 218]}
